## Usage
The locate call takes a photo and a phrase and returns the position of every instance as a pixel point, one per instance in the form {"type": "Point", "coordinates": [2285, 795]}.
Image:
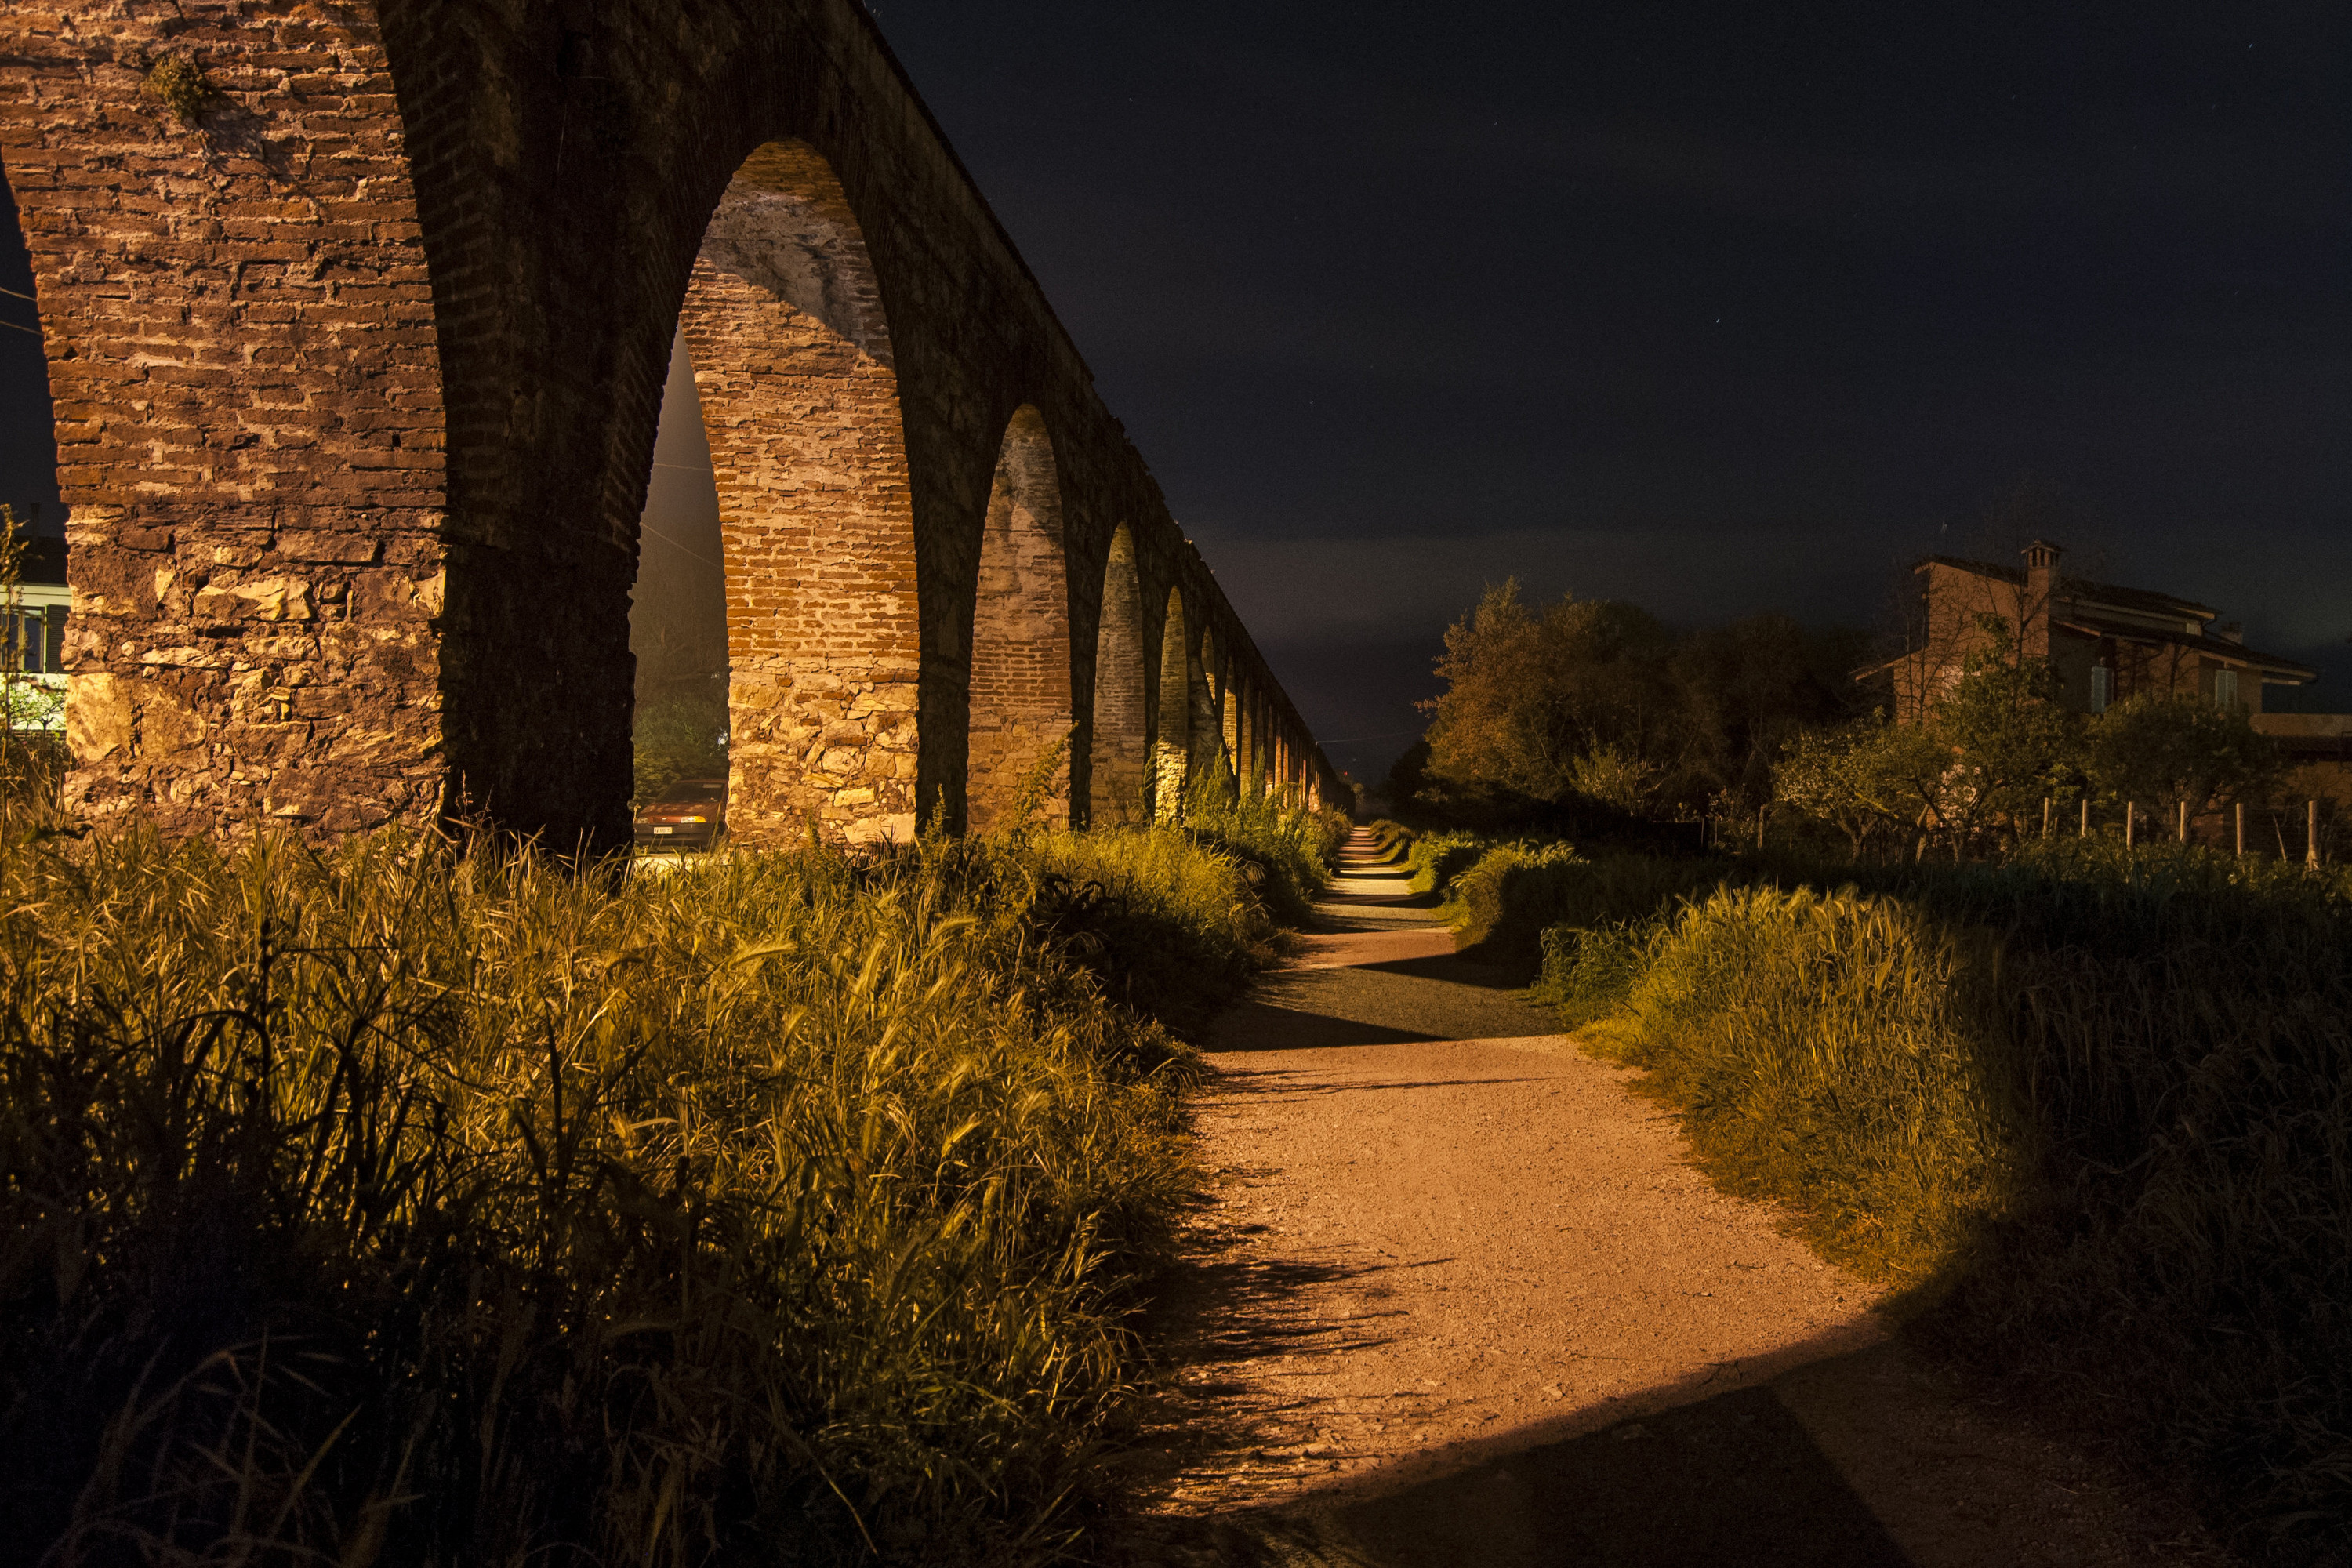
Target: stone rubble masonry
{"type": "Point", "coordinates": [356, 378]}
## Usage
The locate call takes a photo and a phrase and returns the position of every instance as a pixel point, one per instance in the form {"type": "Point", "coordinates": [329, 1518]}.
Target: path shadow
{"type": "Point", "coordinates": [1263, 1026]}
{"type": "Point", "coordinates": [1733, 1480]}
{"type": "Point", "coordinates": [1451, 968]}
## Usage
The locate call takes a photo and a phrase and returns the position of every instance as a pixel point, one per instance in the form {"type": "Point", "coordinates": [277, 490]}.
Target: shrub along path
{"type": "Point", "coordinates": [1460, 1299]}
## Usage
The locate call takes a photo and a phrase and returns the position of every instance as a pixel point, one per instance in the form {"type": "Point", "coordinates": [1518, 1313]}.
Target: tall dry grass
{"type": "Point", "coordinates": [2096, 1109]}
{"type": "Point", "coordinates": [398, 1205]}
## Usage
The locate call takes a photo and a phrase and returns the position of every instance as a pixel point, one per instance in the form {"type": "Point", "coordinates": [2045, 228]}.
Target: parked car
{"type": "Point", "coordinates": [690, 814]}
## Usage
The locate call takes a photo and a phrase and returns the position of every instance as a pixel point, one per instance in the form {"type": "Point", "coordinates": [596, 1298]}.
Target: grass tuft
{"type": "Point", "coordinates": [2092, 1108]}
{"type": "Point", "coordinates": [391, 1203]}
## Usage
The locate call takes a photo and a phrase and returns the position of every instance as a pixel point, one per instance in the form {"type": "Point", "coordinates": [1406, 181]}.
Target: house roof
{"type": "Point", "coordinates": [2132, 631]}
{"type": "Point", "coordinates": [45, 562]}
{"type": "Point", "coordinates": [2142, 599]}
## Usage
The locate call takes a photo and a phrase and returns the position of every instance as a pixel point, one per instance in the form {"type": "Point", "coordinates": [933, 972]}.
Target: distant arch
{"type": "Point", "coordinates": [1208, 725]}
{"type": "Point", "coordinates": [1119, 750]}
{"type": "Point", "coordinates": [1233, 730]}
{"type": "Point", "coordinates": [800, 402]}
{"type": "Point", "coordinates": [1021, 707]}
{"type": "Point", "coordinates": [1171, 744]}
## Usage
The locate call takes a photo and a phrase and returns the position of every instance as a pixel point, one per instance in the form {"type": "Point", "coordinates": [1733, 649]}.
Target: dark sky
{"type": "Point", "coordinates": [1719, 310]}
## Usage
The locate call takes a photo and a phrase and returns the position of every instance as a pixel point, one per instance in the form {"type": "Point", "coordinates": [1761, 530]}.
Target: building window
{"type": "Point", "coordinates": [28, 648]}
{"type": "Point", "coordinates": [2225, 689]}
{"type": "Point", "coordinates": [2103, 687]}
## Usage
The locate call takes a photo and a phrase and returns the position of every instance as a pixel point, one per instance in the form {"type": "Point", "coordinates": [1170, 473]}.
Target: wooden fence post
{"type": "Point", "coordinates": [2045, 817]}
{"type": "Point", "coordinates": [2084, 831]}
{"type": "Point", "coordinates": [2242, 830]}
{"type": "Point", "coordinates": [2184, 822]}
{"type": "Point", "coordinates": [2130, 812]}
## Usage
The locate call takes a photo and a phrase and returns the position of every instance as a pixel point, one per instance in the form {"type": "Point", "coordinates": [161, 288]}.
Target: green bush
{"type": "Point", "coordinates": [1169, 928]}
{"type": "Point", "coordinates": [2092, 1106]}
{"type": "Point", "coordinates": [1508, 897]}
{"type": "Point", "coordinates": [1285, 852]}
{"type": "Point", "coordinates": [680, 737]}
{"type": "Point", "coordinates": [391, 1203]}
{"type": "Point", "coordinates": [1438, 858]}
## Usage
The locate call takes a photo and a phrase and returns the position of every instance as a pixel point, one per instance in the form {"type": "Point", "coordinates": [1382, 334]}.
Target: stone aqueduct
{"type": "Point", "coordinates": [357, 346]}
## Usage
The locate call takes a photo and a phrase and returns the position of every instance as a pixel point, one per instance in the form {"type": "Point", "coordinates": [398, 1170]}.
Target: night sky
{"type": "Point", "coordinates": [1718, 310]}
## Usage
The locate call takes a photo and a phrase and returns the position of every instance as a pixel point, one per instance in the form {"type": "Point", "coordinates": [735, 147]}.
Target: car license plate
{"type": "Point", "coordinates": [664, 830]}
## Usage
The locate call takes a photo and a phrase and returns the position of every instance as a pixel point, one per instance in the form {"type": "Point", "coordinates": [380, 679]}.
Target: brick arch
{"type": "Point", "coordinates": [1118, 745]}
{"type": "Point", "coordinates": [1171, 744]}
{"type": "Point", "coordinates": [1019, 632]}
{"type": "Point", "coordinates": [355, 447]}
{"type": "Point", "coordinates": [1233, 728]}
{"type": "Point", "coordinates": [799, 388]}
{"type": "Point", "coordinates": [1208, 723]}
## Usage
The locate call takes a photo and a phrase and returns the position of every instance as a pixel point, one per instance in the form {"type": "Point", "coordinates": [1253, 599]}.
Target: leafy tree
{"type": "Point", "coordinates": [1532, 695]}
{"type": "Point", "coordinates": [1982, 764]}
{"type": "Point", "coordinates": [2013, 745]}
{"type": "Point", "coordinates": [680, 737]}
{"type": "Point", "coordinates": [1867, 778]}
{"type": "Point", "coordinates": [2164, 751]}
{"type": "Point", "coordinates": [1747, 689]}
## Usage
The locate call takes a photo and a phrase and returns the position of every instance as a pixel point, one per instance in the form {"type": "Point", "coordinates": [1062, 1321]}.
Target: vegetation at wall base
{"type": "Point", "coordinates": [409, 1203]}
{"type": "Point", "coordinates": [2090, 1107]}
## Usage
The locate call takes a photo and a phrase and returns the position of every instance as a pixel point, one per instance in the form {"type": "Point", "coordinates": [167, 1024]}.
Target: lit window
{"type": "Point", "coordinates": [30, 644]}
{"type": "Point", "coordinates": [2103, 687]}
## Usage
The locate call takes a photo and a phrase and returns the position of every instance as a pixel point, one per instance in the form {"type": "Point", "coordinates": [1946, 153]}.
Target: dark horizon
{"type": "Point", "coordinates": [1715, 310]}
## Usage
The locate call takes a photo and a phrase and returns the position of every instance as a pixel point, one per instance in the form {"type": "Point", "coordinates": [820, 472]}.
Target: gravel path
{"type": "Point", "coordinates": [1460, 1299]}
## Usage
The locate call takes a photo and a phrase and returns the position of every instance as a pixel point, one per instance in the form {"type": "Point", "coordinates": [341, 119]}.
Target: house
{"type": "Point", "coordinates": [32, 640]}
{"type": "Point", "coordinates": [2104, 642]}
{"type": "Point", "coordinates": [2308, 738]}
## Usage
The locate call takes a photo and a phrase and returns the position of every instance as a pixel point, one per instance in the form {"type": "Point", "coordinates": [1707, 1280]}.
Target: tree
{"type": "Point", "coordinates": [1867, 777]}
{"type": "Point", "coordinates": [1747, 689]}
{"type": "Point", "coordinates": [680, 737]}
{"type": "Point", "coordinates": [1530, 697]}
{"type": "Point", "coordinates": [2012, 744]}
{"type": "Point", "coordinates": [2164, 751]}
{"type": "Point", "coordinates": [1983, 763]}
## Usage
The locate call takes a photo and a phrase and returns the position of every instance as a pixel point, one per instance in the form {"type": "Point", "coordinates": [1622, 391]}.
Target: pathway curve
{"type": "Point", "coordinates": [1460, 1299]}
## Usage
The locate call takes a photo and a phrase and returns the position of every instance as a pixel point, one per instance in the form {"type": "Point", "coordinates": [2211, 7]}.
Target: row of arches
{"type": "Point", "coordinates": [356, 459]}
{"type": "Point", "coordinates": [831, 644]}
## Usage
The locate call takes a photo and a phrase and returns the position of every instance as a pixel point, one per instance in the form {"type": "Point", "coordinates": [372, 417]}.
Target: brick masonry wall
{"type": "Point", "coordinates": [242, 359]}
{"type": "Point", "coordinates": [800, 403]}
{"type": "Point", "coordinates": [357, 381]}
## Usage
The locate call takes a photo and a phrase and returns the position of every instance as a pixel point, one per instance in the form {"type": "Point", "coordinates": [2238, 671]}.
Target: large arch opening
{"type": "Point", "coordinates": [1020, 638]}
{"type": "Point", "coordinates": [1119, 752]}
{"type": "Point", "coordinates": [1208, 751]}
{"type": "Point", "coordinates": [1234, 733]}
{"type": "Point", "coordinates": [678, 614]}
{"type": "Point", "coordinates": [1171, 744]}
{"type": "Point", "coordinates": [33, 628]}
{"type": "Point", "coordinates": [799, 392]}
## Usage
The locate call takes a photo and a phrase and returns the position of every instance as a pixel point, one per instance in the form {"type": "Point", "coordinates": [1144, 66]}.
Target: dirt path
{"type": "Point", "coordinates": [1462, 1301]}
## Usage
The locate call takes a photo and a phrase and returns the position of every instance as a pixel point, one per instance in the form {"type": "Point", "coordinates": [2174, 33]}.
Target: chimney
{"type": "Point", "coordinates": [2040, 598]}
